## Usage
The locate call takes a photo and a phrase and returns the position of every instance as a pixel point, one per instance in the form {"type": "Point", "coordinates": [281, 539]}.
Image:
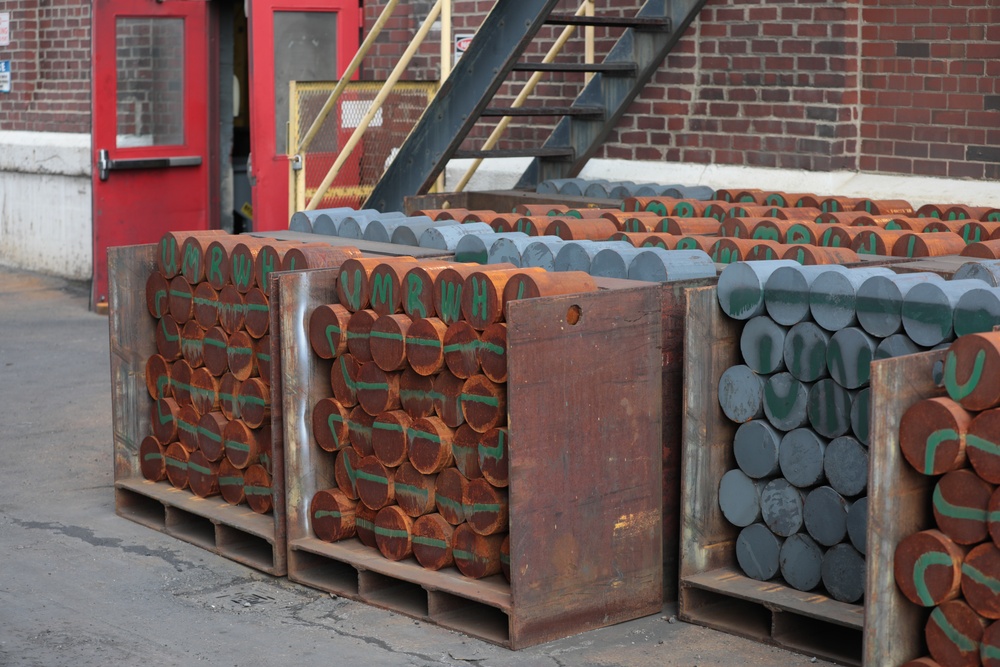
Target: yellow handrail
{"type": "Point", "coordinates": [525, 93]}
{"type": "Point", "coordinates": [376, 105]}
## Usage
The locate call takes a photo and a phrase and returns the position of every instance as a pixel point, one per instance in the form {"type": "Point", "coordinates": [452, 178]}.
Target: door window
{"type": "Point", "coordinates": [149, 53]}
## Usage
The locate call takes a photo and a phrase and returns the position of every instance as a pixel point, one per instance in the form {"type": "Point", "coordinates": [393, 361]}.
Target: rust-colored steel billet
{"type": "Point", "coordinates": [169, 256]}
{"type": "Point", "coordinates": [596, 229]}
{"type": "Point", "coordinates": [975, 231]}
{"type": "Point", "coordinates": [394, 533]}
{"type": "Point", "coordinates": [206, 305]}
{"type": "Point", "coordinates": [932, 435]}
{"type": "Point", "coordinates": [359, 431]}
{"type": "Point", "coordinates": [158, 377]}
{"type": "Point", "coordinates": [962, 212]}
{"type": "Point", "coordinates": [788, 231]}
{"type": "Point", "coordinates": [387, 341]}
{"type": "Point", "coordinates": [839, 236]}
{"type": "Point", "coordinates": [257, 488]}
{"type": "Point", "coordinates": [416, 394]}
{"type": "Point", "coordinates": [359, 329]}
{"type": "Point", "coordinates": [989, 648]}
{"type": "Point", "coordinates": [242, 258]}
{"type": "Point", "coordinates": [784, 199]}
{"type": "Point", "coordinates": [187, 427]}
{"type": "Point", "coordinates": [317, 256]}
{"type": "Point", "coordinates": [269, 260]}
{"type": "Point", "coordinates": [344, 379]}
{"type": "Point", "coordinates": [330, 424]}
{"type": "Point", "coordinates": [258, 313]}
{"type": "Point", "coordinates": [877, 241]}
{"type": "Point", "coordinates": [203, 475]}
{"type": "Point", "coordinates": [229, 394]}
{"type": "Point", "coordinates": [449, 494]}
{"type": "Point", "coordinates": [634, 223]}
{"type": "Point", "coordinates": [444, 213]}
{"type": "Point", "coordinates": [982, 446]}
{"type": "Point", "coordinates": [378, 391]}
{"type": "Point", "coordinates": [493, 352]}
{"type": "Point", "coordinates": [885, 206]}
{"type": "Point", "coordinates": [531, 225]}
{"type": "Point", "coordinates": [354, 282]}
{"type": "Point", "coordinates": [432, 538]}
{"type": "Point", "coordinates": [730, 250]}
{"type": "Point", "coordinates": [953, 633]}
{"type": "Point", "coordinates": [981, 580]}
{"type": "Point", "coordinates": [938, 226]}
{"type": "Point", "coordinates": [816, 255]}
{"type": "Point", "coordinates": [486, 507]}
{"type": "Point", "coordinates": [928, 568]}
{"type": "Point", "coordinates": [194, 257]}
{"type": "Point", "coordinates": [232, 309]}
{"type": "Point", "coordinates": [152, 461]}
{"type": "Point", "coordinates": [465, 449]}
{"type": "Point", "coordinates": [425, 345]}
{"type": "Point", "coordinates": [262, 357]}
{"type": "Point", "coordinates": [484, 403]}
{"type": "Point", "coordinates": [157, 295]}
{"type": "Point", "coordinates": [502, 223]}
{"type": "Point", "coordinates": [192, 343]}
{"type": "Point", "coordinates": [769, 250]}
{"type": "Point", "coordinates": [482, 295]}
{"type": "Point", "coordinates": [390, 437]}
{"type": "Point", "coordinates": [215, 351]}
{"type": "Point", "coordinates": [211, 442]}
{"type": "Point", "coordinates": [364, 524]}
{"type": "Point", "coordinates": [418, 288]}
{"type": "Point", "coordinates": [889, 222]}
{"type": "Point", "coordinates": [837, 204]}
{"type": "Point", "coordinates": [982, 250]}
{"type": "Point", "coordinates": [689, 226]}
{"type": "Point", "coordinates": [180, 298]}
{"type": "Point", "coordinates": [345, 471]}
{"type": "Point", "coordinates": [374, 483]}
{"type": "Point", "coordinates": [255, 402]}
{"type": "Point", "coordinates": [476, 556]}
{"type": "Point", "coordinates": [332, 514]}
{"type": "Point", "coordinates": [972, 371]}
{"type": "Point", "coordinates": [180, 381]}
{"type": "Point", "coordinates": [526, 285]}
{"type": "Point", "coordinates": [717, 210]}
{"type": "Point", "coordinates": [932, 210]}
{"type": "Point", "coordinates": [429, 445]}
{"type": "Point", "coordinates": [163, 417]}
{"type": "Point", "coordinates": [217, 260]}
{"type": "Point", "coordinates": [793, 213]}
{"type": "Point", "coordinates": [447, 398]}
{"type": "Point", "coordinates": [461, 347]}
{"type": "Point", "coordinates": [328, 330]}
{"type": "Point", "coordinates": [168, 338]}
{"type": "Point", "coordinates": [928, 245]}
{"type": "Point", "coordinates": [414, 490]}
{"type": "Point", "coordinates": [243, 445]}
{"type": "Point", "coordinates": [539, 209]}
{"type": "Point", "coordinates": [493, 457]}
{"type": "Point", "coordinates": [386, 287]}
{"type": "Point", "coordinates": [960, 503]}
{"type": "Point", "coordinates": [636, 240]}
{"type": "Point", "coordinates": [240, 356]}
{"type": "Point", "coordinates": [738, 195]}
{"type": "Point", "coordinates": [748, 211]}
{"type": "Point", "coordinates": [841, 218]}
{"type": "Point", "coordinates": [177, 465]}
{"type": "Point", "coordinates": [687, 208]}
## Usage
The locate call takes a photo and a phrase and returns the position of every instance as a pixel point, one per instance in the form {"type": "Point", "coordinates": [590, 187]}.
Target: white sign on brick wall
{"type": "Point", "coordinates": [4, 76]}
{"type": "Point", "coordinates": [4, 28]}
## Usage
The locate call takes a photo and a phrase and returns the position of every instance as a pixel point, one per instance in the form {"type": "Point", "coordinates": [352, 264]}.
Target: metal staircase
{"type": "Point", "coordinates": [497, 51]}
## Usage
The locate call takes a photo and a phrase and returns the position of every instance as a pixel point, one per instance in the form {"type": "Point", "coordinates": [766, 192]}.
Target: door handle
{"type": "Point", "coordinates": [106, 165]}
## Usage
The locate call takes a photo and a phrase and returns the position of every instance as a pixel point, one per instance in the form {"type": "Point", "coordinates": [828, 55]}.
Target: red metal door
{"type": "Point", "coordinates": [290, 40]}
{"type": "Point", "coordinates": [150, 137]}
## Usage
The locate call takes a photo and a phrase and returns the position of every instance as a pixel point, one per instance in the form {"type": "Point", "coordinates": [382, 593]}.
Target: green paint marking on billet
{"type": "Point", "coordinates": [199, 469]}
{"type": "Point", "coordinates": [265, 461]}
{"type": "Point", "coordinates": [230, 481]}
{"type": "Point", "coordinates": [994, 216]}
{"type": "Point", "coordinates": [357, 335]}
{"type": "Point", "coordinates": [211, 435]}
{"type": "Point", "coordinates": [454, 505]}
{"type": "Point", "coordinates": [988, 651]}
{"type": "Point", "coordinates": [264, 356]}
{"type": "Point", "coordinates": [238, 446]}
{"type": "Point", "coordinates": [215, 343]}
{"type": "Point", "coordinates": [257, 490]}
{"type": "Point", "coordinates": [893, 226]}
{"type": "Point", "coordinates": [471, 346]}
{"type": "Point", "coordinates": [683, 210]}
{"type": "Point", "coordinates": [969, 238]}
{"type": "Point", "coordinates": [868, 205]}
{"type": "Point", "coordinates": [166, 335]}
{"type": "Point", "coordinates": [373, 386]}
{"type": "Point", "coordinates": [958, 390]}
{"type": "Point", "coordinates": [252, 400]}
{"type": "Point", "coordinates": [162, 383]}
{"type": "Point", "coordinates": [202, 301]}
{"type": "Point", "coordinates": [414, 433]}
{"type": "Point", "coordinates": [763, 233]}
{"type": "Point", "coordinates": [333, 429]}
{"type": "Point", "coordinates": [494, 453]}
{"type": "Point", "coordinates": [830, 239]}
{"type": "Point", "coordinates": [687, 244]}
{"type": "Point", "coordinates": [332, 329]}
{"type": "Point", "coordinates": [164, 419]}
{"type": "Point", "coordinates": [656, 207]}
{"type": "Point", "coordinates": [451, 302]}
{"type": "Point", "coordinates": [381, 290]}
{"type": "Point", "coordinates": [485, 508]}
{"type": "Point", "coordinates": [258, 308]}
{"type": "Point", "coordinates": [412, 491]}
{"type": "Point", "coordinates": [981, 578]}
{"type": "Point", "coordinates": [169, 244]}
{"type": "Point", "coordinates": [429, 542]}
{"type": "Point", "coordinates": [327, 514]}
{"type": "Point", "coordinates": [268, 260]}
{"type": "Point", "coordinates": [798, 234]}
{"type": "Point", "coordinates": [654, 244]}
{"type": "Point", "coordinates": [369, 477]}
{"type": "Point", "coordinates": [391, 532]}
{"type": "Point", "coordinates": [868, 246]}
{"type": "Point", "coordinates": [982, 445]}
{"type": "Point", "coordinates": [480, 300]}
{"type": "Point", "coordinates": [412, 394]}
{"type": "Point", "coordinates": [352, 474]}
{"type": "Point", "coordinates": [364, 524]}
{"type": "Point", "coordinates": [491, 401]}
{"type": "Point", "coordinates": [215, 266]}
{"type": "Point", "coordinates": [492, 347]}
{"type": "Point", "coordinates": [180, 465]}
{"type": "Point", "coordinates": [240, 350]}
{"type": "Point", "coordinates": [187, 427]}
{"type": "Point", "coordinates": [191, 262]}
{"type": "Point", "coordinates": [960, 641]}
{"type": "Point", "coordinates": [911, 245]}
{"type": "Point", "coordinates": [943, 507]}
{"type": "Point", "coordinates": [424, 342]}
{"type": "Point", "coordinates": [351, 385]}
{"type": "Point", "coordinates": [388, 426]}
{"type": "Point", "coordinates": [158, 297]}
{"type": "Point", "coordinates": [153, 456]}
{"type": "Point", "coordinates": [386, 335]}
{"type": "Point", "coordinates": [361, 429]}
{"type": "Point", "coordinates": [935, 440]}
{"type": "Point", "coordinates": [414, 290]}
{"type": "Point", "coordinates": [520, 288]}
{"type": "Point", "coordinates": [242, 270]}
{"type": "Point", "coordinates": [504, 558]}
{"type": "Point", "coordinates": [351, 294]}
{"type": "Point", "coordinates": [780, 406]}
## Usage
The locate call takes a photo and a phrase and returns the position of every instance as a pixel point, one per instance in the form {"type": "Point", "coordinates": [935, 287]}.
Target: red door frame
{"type": "Point", "coordinates": [137, 206]}
{"type": "Point", "coordinates": [269, 171]}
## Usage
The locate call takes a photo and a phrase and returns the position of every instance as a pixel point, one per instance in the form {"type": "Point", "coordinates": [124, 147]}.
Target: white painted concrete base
{"type": "Point", "coordinates": [502, 174]}
{"type": "Point", "coordinates": [45, 203]}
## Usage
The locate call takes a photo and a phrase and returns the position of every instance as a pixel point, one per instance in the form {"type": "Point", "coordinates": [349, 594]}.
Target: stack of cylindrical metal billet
{"type": "Point", "coordinates": [416, 415]}
{"type": "Point", "coordinates": [604, 189]}
{"type": "Point", "coordinates": [954, 568]}
{"type": "Point", "coordinates": [801, 397]}
{"type": "Point", "coordinates": [210, 379]}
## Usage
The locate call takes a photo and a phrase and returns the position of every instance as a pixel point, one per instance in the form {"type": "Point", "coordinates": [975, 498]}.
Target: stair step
{"type": "Point", "coordinates": [594, 112]}
{"type": "Point", "coordinates": [637, 22]}
{"type": "Point", "coordinates": [552, 153]}
{"type": "Point", "coordinates": [608, 69]}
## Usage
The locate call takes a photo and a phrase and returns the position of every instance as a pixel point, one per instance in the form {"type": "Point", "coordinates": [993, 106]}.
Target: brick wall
{"type": "Point", "coordinates": [50, 63]}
